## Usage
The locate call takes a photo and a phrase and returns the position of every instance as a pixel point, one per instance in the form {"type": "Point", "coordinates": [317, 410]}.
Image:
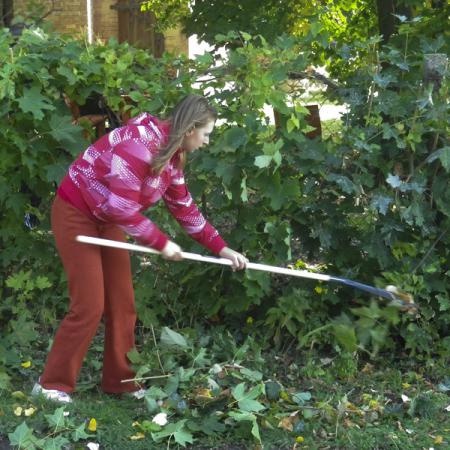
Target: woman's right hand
{"type": "Point", "coordinates": [171, 251]}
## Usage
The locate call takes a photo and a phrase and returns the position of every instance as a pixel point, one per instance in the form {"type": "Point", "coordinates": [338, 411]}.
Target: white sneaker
{"type": "Point", "coordinates": [51, 394]}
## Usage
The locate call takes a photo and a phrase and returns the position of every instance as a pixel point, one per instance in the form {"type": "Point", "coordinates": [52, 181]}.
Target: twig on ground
{"type": "Point", "coordinates": [155, 377]}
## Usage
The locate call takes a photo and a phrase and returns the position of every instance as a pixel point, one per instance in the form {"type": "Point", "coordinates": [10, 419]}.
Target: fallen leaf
{"type": "Point", "coordinates": [286, 424]}
{"type": "Point", "coordinates": [203, 396]}
{"type": "Point", "coordinates": [438, 440]}
{"type": "Point", "coordinates": [326, 361]}
{"type": "Point", "coordinates": [18, 394]}
{"type": "Point", "coordinates": [29, 411]}
{"type": "Point", "coordinates": [137, 436]}
{"type": "Point", "coordinates": [92, 425]}
{"type": "Point", "coordinates": [373, 404]}
{"type": "Point", "coordinates": [203, 392]}
{"type": "Point", "coordinates": [348, 423]}
{"type": "Point", "coordinates": [26, 364]}
{"type": "Point", "coordinates": [350, 406]}
{"type": "Point", "coordinates": [93, 446]}
{"type": "Point", "coordinates": [160, 419]}
{"type": "Point", "coordinates": [18, 411]}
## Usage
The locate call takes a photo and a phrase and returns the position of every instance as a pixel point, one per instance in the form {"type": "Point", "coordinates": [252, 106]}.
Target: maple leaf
{"type": "Point", "coordinates": [34, 102]}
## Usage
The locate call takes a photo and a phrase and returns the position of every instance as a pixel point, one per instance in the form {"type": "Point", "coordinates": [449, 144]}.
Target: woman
{"type": "Point", "coordinates": [103, 195]}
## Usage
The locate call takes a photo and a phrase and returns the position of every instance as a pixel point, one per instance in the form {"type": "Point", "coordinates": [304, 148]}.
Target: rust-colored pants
{"type": "Point", "coordinates": [100, 286]}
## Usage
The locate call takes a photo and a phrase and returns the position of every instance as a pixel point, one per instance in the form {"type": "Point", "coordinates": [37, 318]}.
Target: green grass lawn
{"type": "Point", "coordinates": [309, 401]}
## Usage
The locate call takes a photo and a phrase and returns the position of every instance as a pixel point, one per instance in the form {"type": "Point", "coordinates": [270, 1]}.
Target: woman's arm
{"type": "Point", "coordinates": [181, 205]}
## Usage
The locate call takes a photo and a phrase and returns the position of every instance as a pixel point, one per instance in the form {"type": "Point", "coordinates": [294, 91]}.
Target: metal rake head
{"type": "Point", "coordinates": [402, 300]}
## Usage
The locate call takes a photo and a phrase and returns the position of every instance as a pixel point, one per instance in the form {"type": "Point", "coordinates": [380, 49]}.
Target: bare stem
{"type": "Point", "coordinates": [155, 377]}
{"type": "Point", "coordinates": [157, 350]}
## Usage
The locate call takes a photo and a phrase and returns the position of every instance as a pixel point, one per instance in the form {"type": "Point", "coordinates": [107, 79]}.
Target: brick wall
{"type": "Point", "coordinates": [70, 16]}
{"type": "Point", "coordinates": [176, 42]}
{"type": "Point", "coordinates": [106, 24]}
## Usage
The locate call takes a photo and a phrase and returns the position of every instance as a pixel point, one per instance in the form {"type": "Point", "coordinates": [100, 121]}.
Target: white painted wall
{"type": "Point", "coordinates": [326, 112]}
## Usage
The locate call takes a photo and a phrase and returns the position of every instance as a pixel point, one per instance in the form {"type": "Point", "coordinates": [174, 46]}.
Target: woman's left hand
{"type": "Point", "coordinates": [239, 260]}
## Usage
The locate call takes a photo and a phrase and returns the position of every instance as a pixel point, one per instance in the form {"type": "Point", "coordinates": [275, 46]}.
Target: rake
{"type": "Point", "coordinates": [397, 298]}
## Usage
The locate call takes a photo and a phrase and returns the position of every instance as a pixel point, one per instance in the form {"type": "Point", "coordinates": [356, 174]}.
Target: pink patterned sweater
{"type": "Point", "coordinates": [111, 182]}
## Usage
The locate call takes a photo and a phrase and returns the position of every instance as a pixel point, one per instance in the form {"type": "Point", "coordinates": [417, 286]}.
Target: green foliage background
{"type": "Point", "coordinates": [370, 202]}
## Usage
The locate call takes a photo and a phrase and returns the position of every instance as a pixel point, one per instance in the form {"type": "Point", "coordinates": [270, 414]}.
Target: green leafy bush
{"type": "Point", "coordinates": [369, 202]}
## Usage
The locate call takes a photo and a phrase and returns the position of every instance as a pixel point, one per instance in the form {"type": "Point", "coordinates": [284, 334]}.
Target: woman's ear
{"type": "Point", "coordinates": [190, 132]}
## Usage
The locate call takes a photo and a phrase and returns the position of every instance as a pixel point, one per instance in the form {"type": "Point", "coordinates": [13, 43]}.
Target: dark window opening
{"type": "Point", "coordinates": [6, 13]}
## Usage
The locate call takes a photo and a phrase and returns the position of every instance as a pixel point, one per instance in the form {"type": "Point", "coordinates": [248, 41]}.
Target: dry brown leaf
{"type": "Point", "coordinates": [368, 368]}
{"type": "Point", "coordinates": [286, 424]}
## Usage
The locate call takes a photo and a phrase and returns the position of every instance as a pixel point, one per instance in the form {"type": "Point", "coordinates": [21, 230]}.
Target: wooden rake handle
{"type": "Point", "coordinates": [201, 258]}
{"type": "Point", "coordinates": [403, 300]}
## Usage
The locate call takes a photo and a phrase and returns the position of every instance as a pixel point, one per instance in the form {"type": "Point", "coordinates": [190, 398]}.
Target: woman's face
{"type": "Point", "coordinates": [197, 137]}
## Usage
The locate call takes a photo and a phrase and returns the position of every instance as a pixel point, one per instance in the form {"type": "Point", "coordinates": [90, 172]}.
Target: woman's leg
{"type": "Point", "coordinates": [83, 267]}
{"type": "Point", "coordinates": [119, 315]}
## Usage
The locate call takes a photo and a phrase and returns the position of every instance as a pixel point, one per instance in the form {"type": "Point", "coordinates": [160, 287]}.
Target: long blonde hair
{"type": "Point", "coordinates": [191, 112]}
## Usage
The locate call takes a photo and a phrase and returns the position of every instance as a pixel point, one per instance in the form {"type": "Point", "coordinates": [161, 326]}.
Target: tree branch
{"type": "Point", "coordinates": [313, 75]}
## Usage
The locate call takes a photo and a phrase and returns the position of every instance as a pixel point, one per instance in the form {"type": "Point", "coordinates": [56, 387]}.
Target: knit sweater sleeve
{"type": "Point", "coordinates": [181, 205]}
{"type": "Point", "coordinates": [127, 167]}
